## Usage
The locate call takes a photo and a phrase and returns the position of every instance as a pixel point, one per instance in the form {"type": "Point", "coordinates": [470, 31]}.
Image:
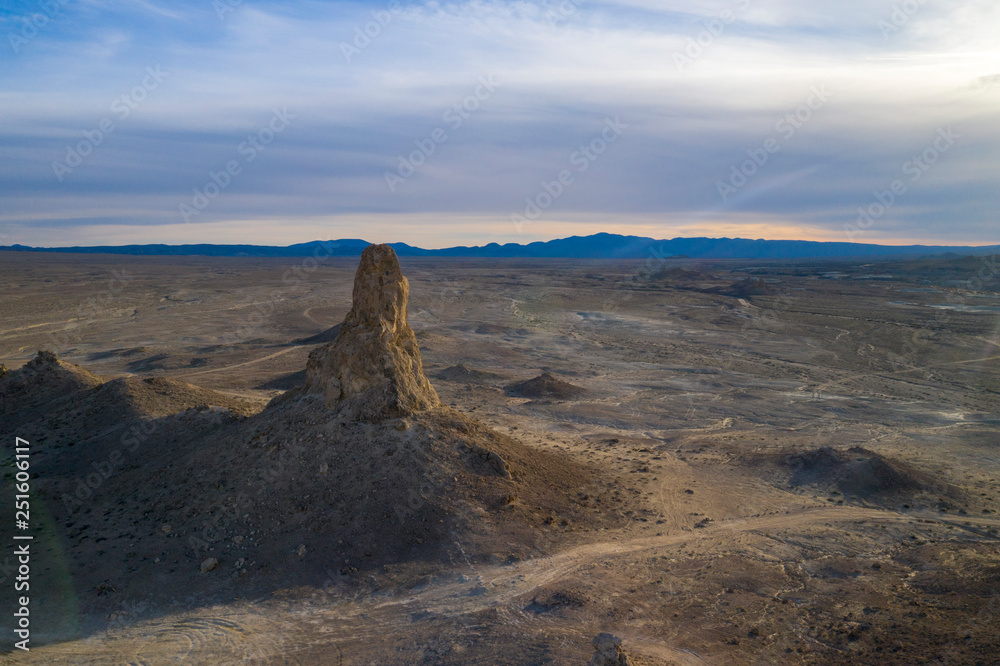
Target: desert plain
{"type": "Point", "coordinates": [775, 463]}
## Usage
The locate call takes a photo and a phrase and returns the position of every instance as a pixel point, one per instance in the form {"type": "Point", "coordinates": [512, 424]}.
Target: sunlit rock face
{"type": "Point", "coordinates": [372, 371]}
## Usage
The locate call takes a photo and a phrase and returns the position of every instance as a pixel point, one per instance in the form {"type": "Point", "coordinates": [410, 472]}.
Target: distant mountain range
{"type": "Point", "coordinates": [597, 246]}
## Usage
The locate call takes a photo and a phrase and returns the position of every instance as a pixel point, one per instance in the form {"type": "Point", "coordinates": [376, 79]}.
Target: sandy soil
{"type": "Point", "coordinates": [708, 399]}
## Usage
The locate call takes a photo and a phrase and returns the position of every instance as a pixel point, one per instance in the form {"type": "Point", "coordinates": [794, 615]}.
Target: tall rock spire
{"type": "Point", "coordinates": [372, 371]}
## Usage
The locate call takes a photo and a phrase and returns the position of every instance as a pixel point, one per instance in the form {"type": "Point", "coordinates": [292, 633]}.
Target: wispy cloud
{"type": "Point", "coordinates": [561, 79]}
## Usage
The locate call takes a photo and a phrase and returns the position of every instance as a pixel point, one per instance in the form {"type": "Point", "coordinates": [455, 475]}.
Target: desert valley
{"type": "Point", "coordinates": [258, 460]}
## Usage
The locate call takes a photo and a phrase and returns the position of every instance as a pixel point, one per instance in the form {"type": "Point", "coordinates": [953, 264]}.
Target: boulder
{"type": "Point", "coordinates": [608, 651]}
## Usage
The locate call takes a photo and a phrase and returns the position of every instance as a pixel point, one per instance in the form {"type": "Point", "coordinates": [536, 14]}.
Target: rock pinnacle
{"type": "Point", "coordinates": [372, 370]}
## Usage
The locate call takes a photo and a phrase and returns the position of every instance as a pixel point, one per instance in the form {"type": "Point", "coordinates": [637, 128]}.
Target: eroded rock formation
{"type": "Point", "coordinates": [372, 370]}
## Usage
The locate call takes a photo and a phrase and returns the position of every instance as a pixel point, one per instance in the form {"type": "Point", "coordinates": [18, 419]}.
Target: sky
{"type": "Point", "coordinates": [468, 122]}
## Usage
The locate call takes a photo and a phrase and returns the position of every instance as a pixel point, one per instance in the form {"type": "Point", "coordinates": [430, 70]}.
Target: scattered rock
{"type": "Point", "coordinates": [209, 564]}
{"type": "Point", "coordinates": [491, 459]}
{"type": "Point", "coordinates": [165, 528]}
{"type": "Point", "coordinates": [608, 651]}
{"type": "Point", "coordinates": [301, 551]}
{"type": "Point", "coordinates": [546, 601]}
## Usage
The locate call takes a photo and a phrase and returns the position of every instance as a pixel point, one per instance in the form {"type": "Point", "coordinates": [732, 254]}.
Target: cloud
{"type": "Point", "coordinates": [362, 102]}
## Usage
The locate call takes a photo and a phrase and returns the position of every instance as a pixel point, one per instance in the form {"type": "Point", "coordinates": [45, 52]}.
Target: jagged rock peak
{"type": "Point", "coordinates": [44, 358]}
{"type": "Point", "coordinates": [372, 370]}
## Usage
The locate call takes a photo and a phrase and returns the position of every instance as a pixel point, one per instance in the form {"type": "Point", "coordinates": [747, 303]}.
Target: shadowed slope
{"type": "Point", "coordinates": [359, 469]}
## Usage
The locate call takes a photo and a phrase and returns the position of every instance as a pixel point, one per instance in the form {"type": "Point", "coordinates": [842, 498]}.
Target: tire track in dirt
{"type": "Point", "coordinates": [264, 632]}
{"type": "Point", "coordinates": [237, 365]}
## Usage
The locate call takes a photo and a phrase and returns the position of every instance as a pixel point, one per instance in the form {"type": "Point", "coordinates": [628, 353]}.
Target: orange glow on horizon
{"type": "Point", "coordinates": [435, 231]}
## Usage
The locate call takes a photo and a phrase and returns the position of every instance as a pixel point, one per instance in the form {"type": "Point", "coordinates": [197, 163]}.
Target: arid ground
{"type": "Point", "coordinates": [793, 462]}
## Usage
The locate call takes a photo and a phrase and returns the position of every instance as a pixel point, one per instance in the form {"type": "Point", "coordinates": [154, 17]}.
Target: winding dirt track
{"type": "Point", "coordinates": [237, 365]}
{"type": "Point", "coordinates": [247, 633]}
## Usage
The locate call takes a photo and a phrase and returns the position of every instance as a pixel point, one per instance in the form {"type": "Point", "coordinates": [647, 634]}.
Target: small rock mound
{"type": "Point", "coordinates": [608, 651]}
{"type": "Point", "coordinates": [856, 472]}
{"type": "Point", "coordinates": [372, 371]}
{"type": "Point", "coordinates": [463, 373]}
{"type": "Point", "coordinates": [545, 385]}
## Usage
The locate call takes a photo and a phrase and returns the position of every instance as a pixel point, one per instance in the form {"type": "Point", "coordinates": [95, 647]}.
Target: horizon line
{"type": "Point", "coordinates": [488, 243]}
